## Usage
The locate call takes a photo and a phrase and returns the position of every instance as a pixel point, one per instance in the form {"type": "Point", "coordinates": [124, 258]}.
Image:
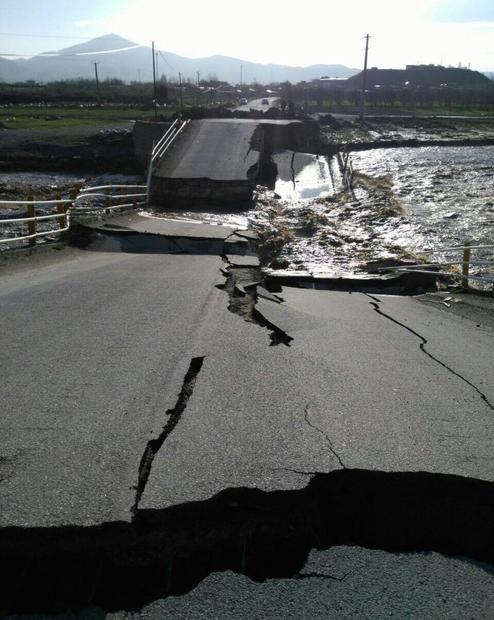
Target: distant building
{"type": "Point", "coordinates": [421, 76]}
{"type": "Point", "coordinates": [325, 81]}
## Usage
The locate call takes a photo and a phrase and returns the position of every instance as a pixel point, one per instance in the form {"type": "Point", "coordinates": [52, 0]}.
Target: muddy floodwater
{"type": "Point", "coordinates": [447, 193]}
{"type": "Point", "coordinates": [404, 201]}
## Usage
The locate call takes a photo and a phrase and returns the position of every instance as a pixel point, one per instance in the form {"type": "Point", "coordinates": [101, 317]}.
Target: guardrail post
{"type": "Point", "coordinates": [466, 263]}
{"type": "Point", "coordinates": [61, 209]}
{"type": "Point", "coordinates": [107, 200]}
{"type": "Point", "coordinates": [31, 226]}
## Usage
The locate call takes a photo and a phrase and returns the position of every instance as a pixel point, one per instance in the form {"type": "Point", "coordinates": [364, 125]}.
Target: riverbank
{"type": "Point", "coordinates": [348, 132]}
{"type": "Point", "coordinates": [69, 149]}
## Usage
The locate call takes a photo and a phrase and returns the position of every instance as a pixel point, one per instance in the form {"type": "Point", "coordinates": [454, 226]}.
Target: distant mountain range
{"type": "Point", "coordinates": [135, 64]}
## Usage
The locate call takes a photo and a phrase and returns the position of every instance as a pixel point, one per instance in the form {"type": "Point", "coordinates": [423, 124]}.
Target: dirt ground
{"type": "Point", "coordinates": [346, 129]}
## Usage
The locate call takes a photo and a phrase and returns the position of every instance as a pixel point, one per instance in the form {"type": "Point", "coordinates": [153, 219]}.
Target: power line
{"type": "Point", "coordinates": [74, 54]}
{"type": "Point", "coordinates": [56, 36]}
{"type": "Point", "coordinates": [162, 56]}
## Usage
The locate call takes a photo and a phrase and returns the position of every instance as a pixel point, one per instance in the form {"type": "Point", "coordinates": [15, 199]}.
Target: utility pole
{"type": "Point", "coordinates": [364, 79]}
{"type": "Point", "coordinates": [198, 80]}
{"type": "Point", "coordinates": [97, 81]}
{"type": "Point", "coordinates": [181, 97]}
{"type": "Point", "coordinates": [154, 84]}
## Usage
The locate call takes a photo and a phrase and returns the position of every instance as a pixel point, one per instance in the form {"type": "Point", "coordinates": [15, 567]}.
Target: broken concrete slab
{"type": "Point", "coordinates": [216, 149]}
{"type": "Point", "coordinates": [245, 260]}
{"type": "Point", "coordinates": [162, 226]}
{"type": "Point", "coordinates": [237, 245]}
{"type": "Point", "coordinates": [235, 239]}
{"type": "Point", "coordinates": [248, 234]}
{"type": "Point", "coordinates": [262, 292]}
{"type": "Point", "coordinates": [138, 232]}
{"type": "Point", "coordinates": [222, 160]}
{"type": "Point", "coordinates": [392, 283]}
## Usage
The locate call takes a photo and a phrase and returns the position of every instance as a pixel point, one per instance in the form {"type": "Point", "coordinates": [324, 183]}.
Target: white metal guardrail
{"type": "Point", "coordinates": [62, 215]}
{"type": "Point", "coordinates": [465, 264]}
{"type": "Point", "coordinates": [161, 147]}
{"type": "Point", "coordinates": [101, 198]}
{"type": "Point", "coordinates": [88, 201]}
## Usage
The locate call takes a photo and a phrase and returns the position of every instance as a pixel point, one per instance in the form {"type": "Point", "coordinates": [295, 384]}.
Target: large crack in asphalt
{"type": "Point", "coordinates": [241, 287]}
{"type": "Point", "coordinates": [154, 445]}
{"type": "Point", "coordinates": [167, 552]}
{"type": "Point", "coordinates": [423, 341]}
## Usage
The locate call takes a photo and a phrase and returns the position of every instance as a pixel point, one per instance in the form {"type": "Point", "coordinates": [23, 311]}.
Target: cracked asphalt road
{"type": "Point", "coordinates": [369, 389]}
{"type": "Point", "coordinates": [95, 349]}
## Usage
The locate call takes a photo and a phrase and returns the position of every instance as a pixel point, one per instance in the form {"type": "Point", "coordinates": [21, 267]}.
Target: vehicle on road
{"type": "Point", "coordinates": [265, 101]}
{"type": "Point", "coordinates": [243, 101]}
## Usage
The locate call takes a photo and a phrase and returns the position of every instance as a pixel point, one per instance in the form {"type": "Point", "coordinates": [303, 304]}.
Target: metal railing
{"type": "Point", "coordinates": [161, 147]}
{"type": "Point", "coordinates": [100, 198]}
{"type": "Point", "coordinates": [62, 215]}
{"type": "Point", "coordinates": [88, 202]}
{"type": "Point", "coordinates": [465, 264]}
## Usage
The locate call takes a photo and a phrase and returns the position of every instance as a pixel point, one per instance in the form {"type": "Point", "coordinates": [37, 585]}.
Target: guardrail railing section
{"type": "Point", "coordinates": [38, 218]}
{"type": "Point", "coordinates": [163, 145]}
{"type": "Point", "coordinates": [50, 218]}
{"type": "Point", "coordinates": [108, 198]}
{"type": "Point", "coordinates": [470, 263]}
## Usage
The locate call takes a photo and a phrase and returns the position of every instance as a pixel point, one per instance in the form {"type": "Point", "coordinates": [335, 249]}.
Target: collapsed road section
{"type": "Point", "coordinates": [222, 160]}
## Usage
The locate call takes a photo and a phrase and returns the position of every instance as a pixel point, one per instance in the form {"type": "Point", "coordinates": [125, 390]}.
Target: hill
{"type": "Point", "coordinates": [133, 62]}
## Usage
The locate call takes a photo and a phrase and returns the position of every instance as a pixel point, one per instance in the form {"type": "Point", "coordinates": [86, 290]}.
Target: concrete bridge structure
{"type": "Point", "coordinates": [220, 160]}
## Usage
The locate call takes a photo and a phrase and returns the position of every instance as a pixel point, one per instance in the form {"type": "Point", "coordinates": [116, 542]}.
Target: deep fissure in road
{"type": "Point", "coordinates": [423, 341]}
{"type": "Point", "coordinates": [241, 287]}
{"type": "Point", "coordinates": [259, 534]}
{"type": "Point", "coordinates": [154, 445]}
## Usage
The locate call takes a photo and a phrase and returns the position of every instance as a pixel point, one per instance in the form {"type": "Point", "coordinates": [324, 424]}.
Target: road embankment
{"type": "Point", "coordinates": [72, 149]}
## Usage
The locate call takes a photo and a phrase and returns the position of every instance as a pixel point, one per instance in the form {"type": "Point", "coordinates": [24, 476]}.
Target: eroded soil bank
{"type": "Point", "coordinates": [69, 149]}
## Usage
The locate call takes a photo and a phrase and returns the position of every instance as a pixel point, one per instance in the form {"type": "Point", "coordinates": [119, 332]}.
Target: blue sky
{"type": "Point", "coordinates": [326, 31]}
{"type": "Point", "coordinates": [462, 11]}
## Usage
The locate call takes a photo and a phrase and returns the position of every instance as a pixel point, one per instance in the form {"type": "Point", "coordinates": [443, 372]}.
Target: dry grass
{"type": "Point", "coordinates": [382, 183]}
{"type": "Point", "coordinates": [272, 242]}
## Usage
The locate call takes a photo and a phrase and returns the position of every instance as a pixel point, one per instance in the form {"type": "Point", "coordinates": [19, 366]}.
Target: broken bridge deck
{"type": "Point", "coordinates": [218, 160]}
